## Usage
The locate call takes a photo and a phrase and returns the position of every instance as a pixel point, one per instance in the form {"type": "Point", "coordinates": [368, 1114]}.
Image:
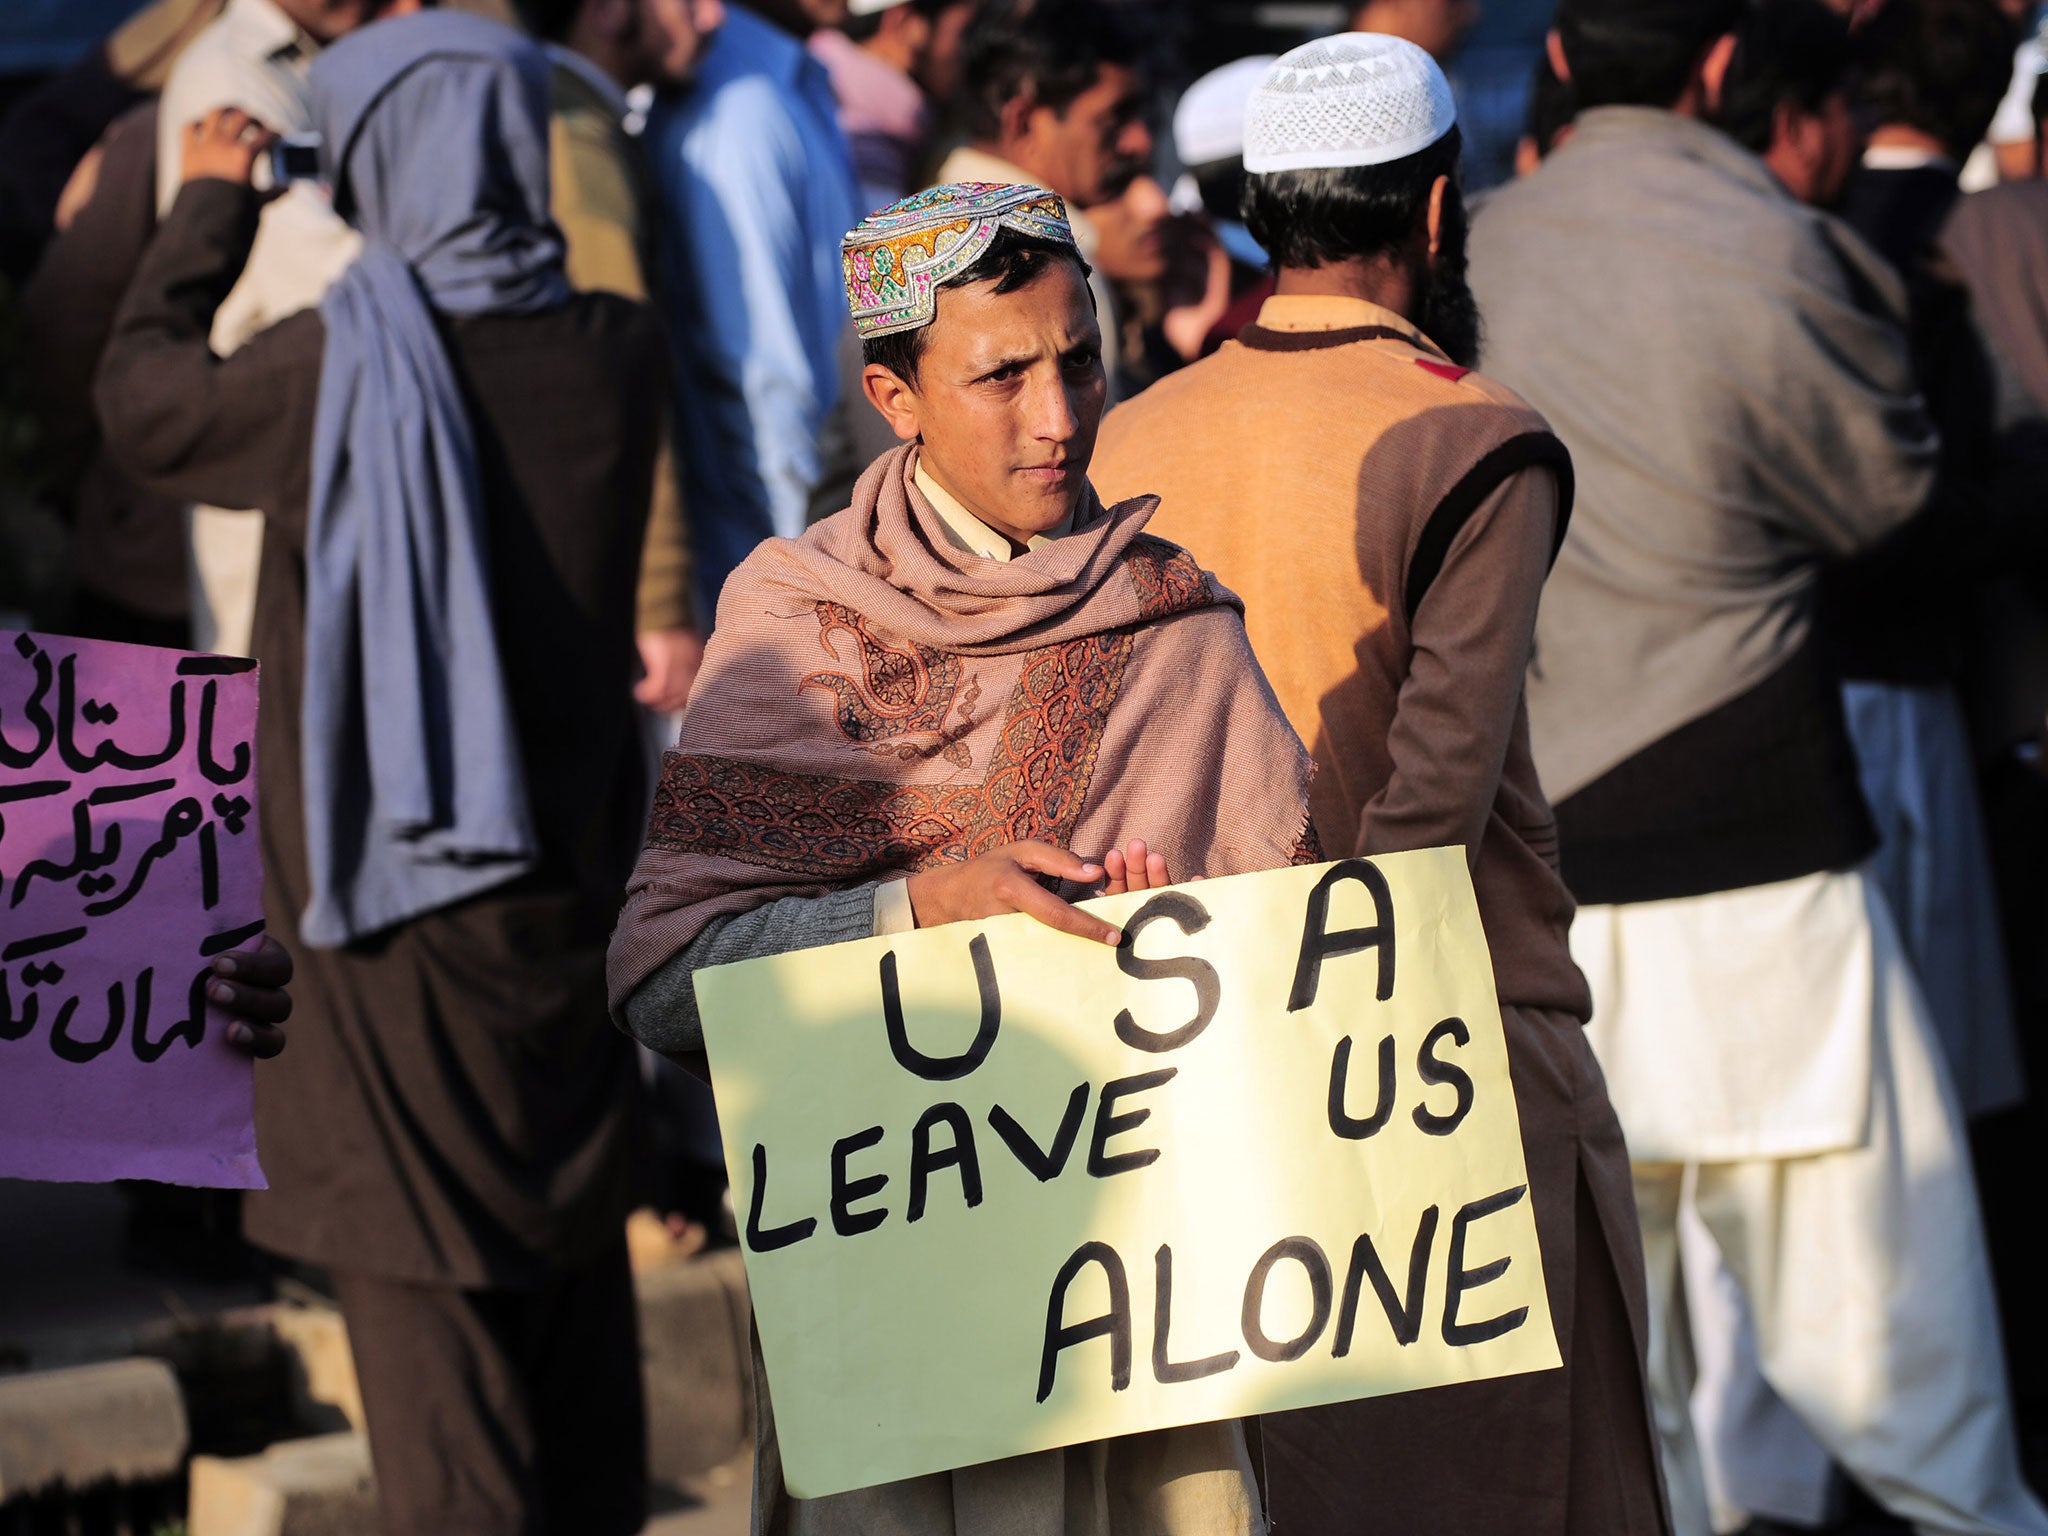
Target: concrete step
{"type": "Point", "coordinates": [315, 1487]}
{"type": "Point", "coordinates": [118, 1422]}
{"type": "Point", "coordinates": [694, 1330]}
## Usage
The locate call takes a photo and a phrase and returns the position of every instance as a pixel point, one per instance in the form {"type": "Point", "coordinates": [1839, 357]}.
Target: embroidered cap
{"type": "Point", "coordinates": [1359, 98]}
{"type": "Point", "coordinates": [895, 261]}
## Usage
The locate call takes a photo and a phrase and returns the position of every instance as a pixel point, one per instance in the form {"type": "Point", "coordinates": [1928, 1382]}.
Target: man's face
{"type": "Point", "coordinates": [1130, 233]}
{"type": "Point", "coordinates": [1814, 153]}
{"type": "Point", "coordinates": [1089, 151]}
{"type": "Point", "coordinates": [1008, 398]}
{"type": "Point", "coordinates": [1838, 147]}
{"type": "Point", "coordinates": [670, 38]}
{"type": "Point", "coordinates": [938, 70]}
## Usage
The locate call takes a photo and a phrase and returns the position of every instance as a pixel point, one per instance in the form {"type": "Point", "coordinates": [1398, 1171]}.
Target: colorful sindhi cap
{"type": "Point", "coordinates": [895, 262]}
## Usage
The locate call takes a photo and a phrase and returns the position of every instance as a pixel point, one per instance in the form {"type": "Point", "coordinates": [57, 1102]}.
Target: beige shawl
{"type": "Point", "coordinates": [875, 700]}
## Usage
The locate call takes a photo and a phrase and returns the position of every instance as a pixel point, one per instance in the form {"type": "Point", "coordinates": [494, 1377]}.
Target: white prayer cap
{"type": "Point", "coordinates": [871, 7]}
{"type": "Point", "coordinates": [1208, 124]}
{"type": "Point", "coordinates": [1359, 98]}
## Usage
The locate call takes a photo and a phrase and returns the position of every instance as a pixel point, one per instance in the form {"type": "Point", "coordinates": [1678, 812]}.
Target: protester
{"type": "Point", "coordinates": [601, 50]}
{"type": "Point", "coordinates": [892, 63]}
{"type": "Point", "coordinates": [1930, 78]}
{"type": "Point", "coordinates": [1728, 369]}
{"type": "Point", "coordinates": [1208, 136]}
{"type": "Point", "coordinates": [1118, 657]}
{"type": "Point", "coordinates": [53, 127]}
{"type": "Point", "coordinates": [1391, 599]}
{"type": "Point", "coordinates": [755, 190]}
{"type": "Point", "coordinates": [1053, 96]}
{"type": "Point", "coordinates": [254, 58]}
{"type": "Point", "coordinates": [453, 456]}
{"type": "Point", "coordinates": [127, 544]}
{"type": "Point", "coordinates": [1153, 264]}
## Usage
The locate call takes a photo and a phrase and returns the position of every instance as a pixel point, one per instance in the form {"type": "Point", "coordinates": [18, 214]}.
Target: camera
{"type": "Point", "coordinates": [295, 157]}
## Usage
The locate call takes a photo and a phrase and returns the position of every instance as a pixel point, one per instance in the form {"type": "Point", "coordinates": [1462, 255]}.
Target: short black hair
{"type": "Point", "coordinates": [1013, 260]}
{"type": "Point", "coordinates": [1318, 217]}
{"type": "Point", "coordinates": [1941, 66]}
{"type": "Point", "coordinates": [1798, 51]}
{"type": "Point", "coordinates": [864, 28]}
{"type": "Point", "coordinates": [548, 20]}
{"type": "Point", "coordinates": [1051, 50]}
{"type": "Point", "coordinates": [1221, 185]}
{"type": "Point", "coordinates": [1638, 53]}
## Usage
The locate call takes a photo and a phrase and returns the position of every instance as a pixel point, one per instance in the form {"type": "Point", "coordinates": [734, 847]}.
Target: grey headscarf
{"type": "Point", "coordinates": [435, 139]}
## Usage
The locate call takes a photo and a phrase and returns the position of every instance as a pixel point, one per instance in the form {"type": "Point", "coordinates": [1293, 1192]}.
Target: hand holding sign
{"type": "Point", "coordinates": [1005, 1190]}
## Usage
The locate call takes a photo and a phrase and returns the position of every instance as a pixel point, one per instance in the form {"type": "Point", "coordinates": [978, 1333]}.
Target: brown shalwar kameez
{"type": "Point", "coordinates": [450, 1128]}
{"type": "Point", "coordinates": [1388, 519]}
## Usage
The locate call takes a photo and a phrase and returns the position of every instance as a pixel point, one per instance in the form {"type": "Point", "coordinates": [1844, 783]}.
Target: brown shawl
{"type": "Point", "coordinates": [874, 701]}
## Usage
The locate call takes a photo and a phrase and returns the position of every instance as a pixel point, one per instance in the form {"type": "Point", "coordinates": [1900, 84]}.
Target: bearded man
{"type": "Point", "coordinates": [976, 690]}
{"type": "Point", "coordinates": [1408, 512]}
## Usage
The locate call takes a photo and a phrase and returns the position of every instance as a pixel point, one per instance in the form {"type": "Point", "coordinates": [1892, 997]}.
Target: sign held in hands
{"type": "Point", "coordinates": [1004, 1189]}
{"type": "Point", "coordinates": [129, 859]}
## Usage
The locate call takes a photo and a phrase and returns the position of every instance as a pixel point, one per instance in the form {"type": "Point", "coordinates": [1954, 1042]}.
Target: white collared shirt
{"type": "Point", "coordinates": [968, 533]}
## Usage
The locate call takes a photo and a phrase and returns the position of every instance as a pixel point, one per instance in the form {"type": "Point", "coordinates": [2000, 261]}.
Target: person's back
{"type": "Point", "coordinates": [1728, 371]}
{"type": "Point", "coordinates": [1325, 535]}
{"type": "Point", "coordinates": [1387, 516]}
{"type": "Point", "coordinates": [453, 456]}
{"type": "Point", "coordinates": [755, 191]}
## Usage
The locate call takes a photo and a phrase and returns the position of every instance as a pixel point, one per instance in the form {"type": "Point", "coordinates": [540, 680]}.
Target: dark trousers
{"type": "Point", "coordinates": [1555, 1453]}
{"type": "Point", "coordinates": [503, 1412]}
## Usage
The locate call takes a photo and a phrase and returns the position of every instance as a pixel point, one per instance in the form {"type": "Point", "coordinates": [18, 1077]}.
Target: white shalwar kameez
{"type": "Point", "coordinates": [1769, 1053]}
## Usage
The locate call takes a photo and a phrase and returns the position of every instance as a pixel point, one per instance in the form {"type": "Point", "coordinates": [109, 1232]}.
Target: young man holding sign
{"type": "Point", "coordinates": [971, 693]}
{"type": "Point", "coordinates": [1409, 509]}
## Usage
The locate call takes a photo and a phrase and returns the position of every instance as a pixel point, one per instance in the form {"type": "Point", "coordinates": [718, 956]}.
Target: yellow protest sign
{"type": "Point", "coordinates": [1004, 1189]}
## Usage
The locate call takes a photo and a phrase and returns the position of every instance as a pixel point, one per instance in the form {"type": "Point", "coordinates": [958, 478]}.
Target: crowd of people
{"type": "Point", "coordinates": [999, 470]}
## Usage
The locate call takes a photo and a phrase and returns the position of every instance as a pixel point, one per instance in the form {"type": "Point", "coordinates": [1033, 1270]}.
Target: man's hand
{"type": "Point", "coordinates": [672, 657]}
{"type": "Point", "coordinates": [250, 984]}
{"type": "Point", "coordinates": [1133, 868]}
{"type": "Point", "coordinates": [226, 143]}
{"type": "Point", "coordinates": [1003, 881]}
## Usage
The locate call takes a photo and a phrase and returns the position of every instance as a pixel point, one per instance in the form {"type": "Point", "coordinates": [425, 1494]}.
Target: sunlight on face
{"type": "Point", "coordinates": [1008, 398]}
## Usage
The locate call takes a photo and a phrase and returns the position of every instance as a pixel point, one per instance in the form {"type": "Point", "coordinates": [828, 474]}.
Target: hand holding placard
{"type": "Point", "coordinates": [960, 1151]}
{"type": "Point", "coordinates": [129, 861]}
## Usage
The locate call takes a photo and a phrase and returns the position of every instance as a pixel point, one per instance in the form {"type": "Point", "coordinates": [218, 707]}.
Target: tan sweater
{"type": "Point", "coordinates": [1388, 520]}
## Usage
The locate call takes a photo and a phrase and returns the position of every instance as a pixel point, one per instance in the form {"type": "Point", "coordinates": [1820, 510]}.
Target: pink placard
{"type": "Point", "coordinates": [129, 857]}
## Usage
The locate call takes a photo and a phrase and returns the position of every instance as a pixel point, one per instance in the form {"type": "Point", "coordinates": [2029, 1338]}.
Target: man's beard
{"type": "Point", "coordinates": [1450, 315]}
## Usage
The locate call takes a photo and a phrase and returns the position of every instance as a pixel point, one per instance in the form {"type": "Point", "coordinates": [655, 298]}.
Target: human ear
{"type": "Point", "coordinates": [896, 400]}
{"type": "Point", "coordinates": [1438, 191]}
{"type": "Point", "coordinates": [1554, 46]}
{"type": "Point", "coordinates": [1016, 117]}
{"type": "Point", "coordinates": [1714, 70]}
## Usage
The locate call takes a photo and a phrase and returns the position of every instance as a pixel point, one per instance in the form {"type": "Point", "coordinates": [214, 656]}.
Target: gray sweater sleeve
{"type": "Point", "coordinates": [662, 1012]}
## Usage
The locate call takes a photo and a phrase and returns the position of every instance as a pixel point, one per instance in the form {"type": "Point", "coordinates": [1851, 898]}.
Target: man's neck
{"type": "Point", "coordinates": [1020, 156]}
{"type": "Point", "coordinates": [1901, 136]}
{"type": "Point", "coordinates": [1377, 281]}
